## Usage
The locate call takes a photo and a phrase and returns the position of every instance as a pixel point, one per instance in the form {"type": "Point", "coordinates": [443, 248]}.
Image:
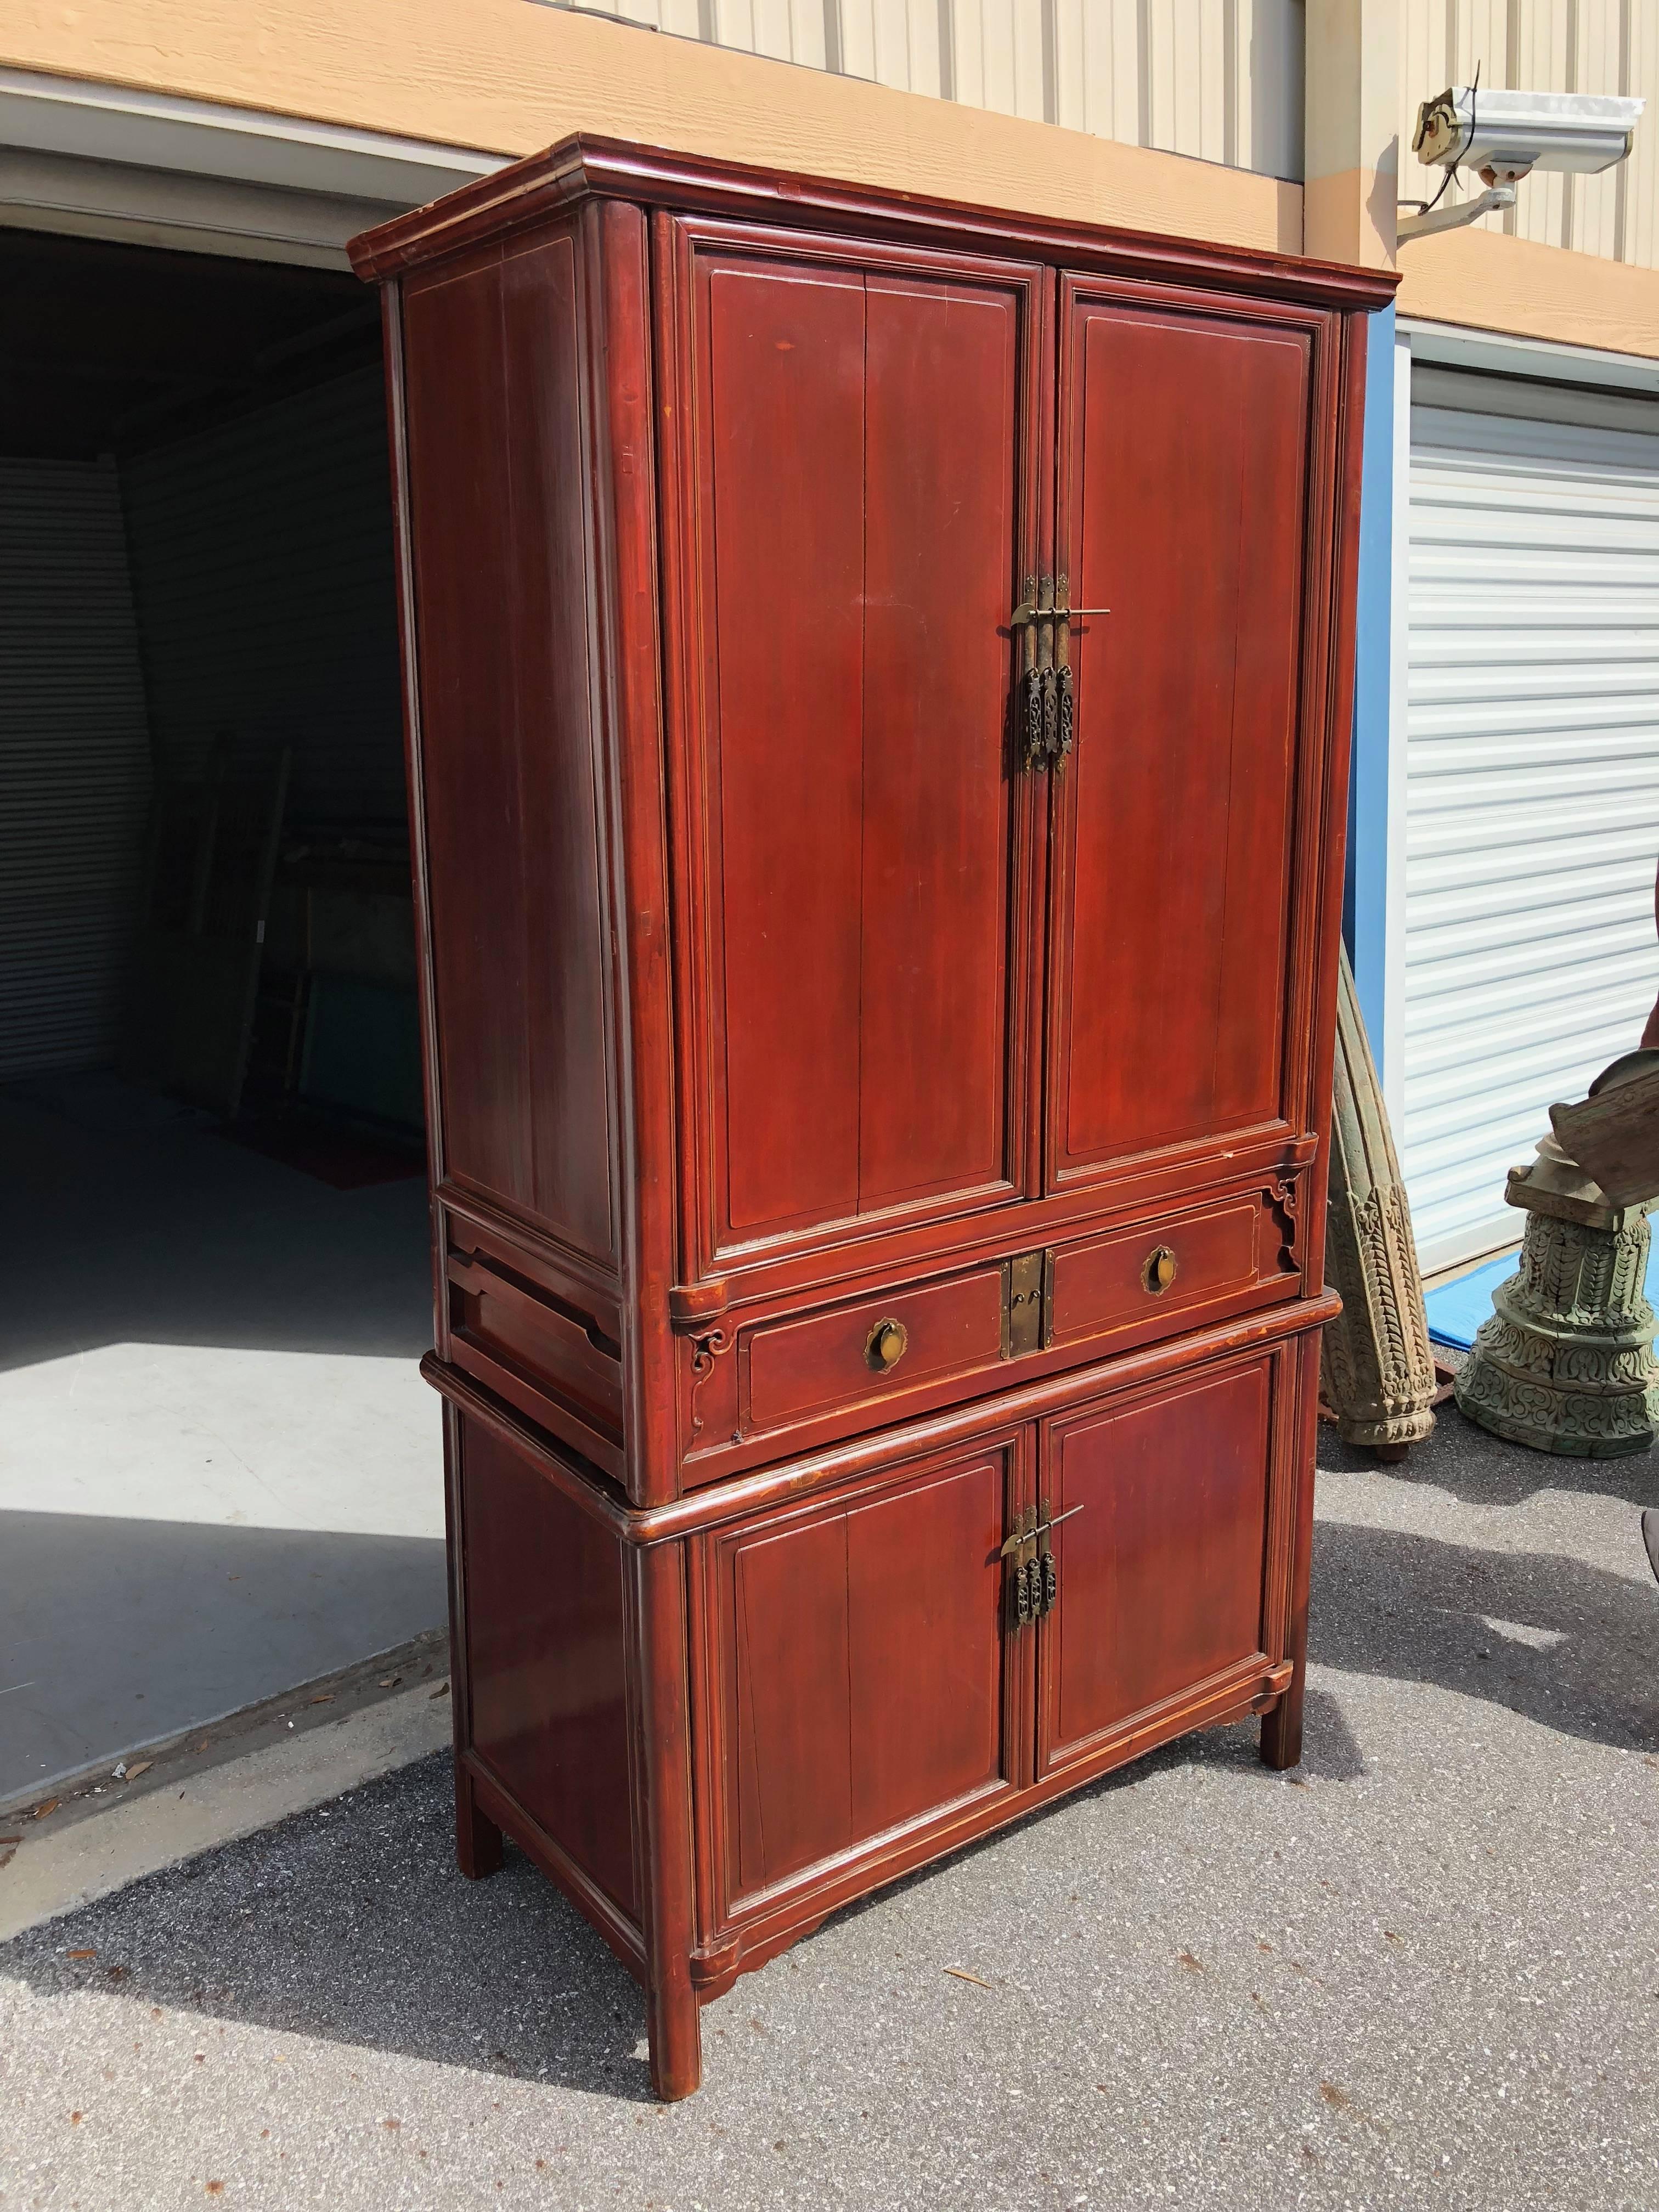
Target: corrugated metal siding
{"type": "Point", "coordinates": [262, 567]}
{"type": "Point", "coordinates": [1532, 794]}
{"type": "Point", "coordinates": [75, 765]}
{"type": "Point", "coordinates": [1220, 79]}
{"type": "Point", "coordinates": [1545, 45]}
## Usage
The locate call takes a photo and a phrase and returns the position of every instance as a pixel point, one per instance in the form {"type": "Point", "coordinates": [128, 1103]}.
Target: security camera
{"type": "Point", "coordinates": [1504, 136]}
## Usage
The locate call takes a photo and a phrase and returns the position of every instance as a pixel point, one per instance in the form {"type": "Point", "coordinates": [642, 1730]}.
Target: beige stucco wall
{"type": "Point", "coordinates": [509, 77]}
{"type": "Point", "coordinates": [1490, 282]}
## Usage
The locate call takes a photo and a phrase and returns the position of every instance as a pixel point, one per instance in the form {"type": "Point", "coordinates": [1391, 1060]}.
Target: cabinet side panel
{"type": "Point", "coordinates": [542, 1586]}
{"type": "Point", "coordinates": [498, 507]}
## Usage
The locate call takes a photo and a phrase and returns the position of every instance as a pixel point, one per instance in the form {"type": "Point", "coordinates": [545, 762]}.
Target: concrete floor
{"type": "Point", "coordinates": [220, 1471]}
{"type": "Point", "coordinates": [1420, 1972]}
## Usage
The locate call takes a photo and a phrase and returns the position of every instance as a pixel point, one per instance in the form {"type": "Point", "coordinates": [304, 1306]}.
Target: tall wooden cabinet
{"type": "Point", "coordinates": [877, 678]}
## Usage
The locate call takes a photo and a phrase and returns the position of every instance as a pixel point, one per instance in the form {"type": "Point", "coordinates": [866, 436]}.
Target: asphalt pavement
{"type": "Point", "coordinates": [1422, 1970]}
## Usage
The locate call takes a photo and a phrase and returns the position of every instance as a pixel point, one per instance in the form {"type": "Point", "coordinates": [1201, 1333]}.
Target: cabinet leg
{"type": "Point", "coordinates": [1281, 1729]}
{"type": "Point", "coordinates": [657, 1606]}
{"type": "Point", "coordinates": [675, 2037]}
{"type": "Point", "coordinates": [478, 1843]}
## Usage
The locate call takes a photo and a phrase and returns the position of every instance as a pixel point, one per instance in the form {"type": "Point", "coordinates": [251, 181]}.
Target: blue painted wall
{"type": "Point", "coordinates": [1364, 909]}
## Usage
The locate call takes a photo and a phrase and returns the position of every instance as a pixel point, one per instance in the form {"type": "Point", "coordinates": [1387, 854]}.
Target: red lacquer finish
{"type": "Point", "coordinates": [1163, 1580]}
{"type": "Point", "coordinates": [851, 481]}
{"type": "Point", "coordinates": [868, 1120]}
{"type": "Point", "coordinates": [1182, 474]}
{"type": "Point", "coordinates": [860, 1649]}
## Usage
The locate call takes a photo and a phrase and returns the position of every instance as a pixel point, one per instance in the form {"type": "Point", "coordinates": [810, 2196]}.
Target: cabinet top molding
{"type": "Point", "coordinates": [584, 167]}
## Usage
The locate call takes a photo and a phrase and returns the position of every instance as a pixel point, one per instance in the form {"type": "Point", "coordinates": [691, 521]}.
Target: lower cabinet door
{"type": "Point", "coordinates": [1161, 1566]}
{"type": "Point", "coordinates": [862, 1679]}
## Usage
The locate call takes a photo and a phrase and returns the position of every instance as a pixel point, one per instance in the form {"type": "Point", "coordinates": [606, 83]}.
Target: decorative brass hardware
{"type": "Point", "coordinates": [1034, 1575]}
{"type": "Point", "coordinates": [1024, 1531]}
{"type": "Point", "coordinates": [884, 1347]}
{"type": "Point", "coordinates": [1024, 1305]}
{"type": "Point", "coordinates": [1021, 1594]}
{"type": "Point", "coordinates": [1047, 718]}
{"type": "Point", "coordinates": [1160, 1270]}
{"type": "Point", "coordinates": [1038, 691]}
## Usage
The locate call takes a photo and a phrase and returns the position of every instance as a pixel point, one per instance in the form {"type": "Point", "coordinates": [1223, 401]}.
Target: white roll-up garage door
{"type": "Point", "coordinates": [1532, 777]}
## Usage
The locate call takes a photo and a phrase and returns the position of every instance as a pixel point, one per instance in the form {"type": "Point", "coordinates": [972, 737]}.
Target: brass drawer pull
{"type": "Point", "coordinates": [1160, 1270]}
{"type": "Point", "coordinates": [884, 1347]}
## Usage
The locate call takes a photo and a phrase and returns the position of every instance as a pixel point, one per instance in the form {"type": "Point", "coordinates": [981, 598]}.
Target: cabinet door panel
{"type": "Point", "coordinates": [786, 528]}
{"type": "Point", "coordinates": [857, 508]}
{"type": "Point", "coordinates": [1182, 512]}
{"type": "Point", "coordinates": [863, 1664]}
{"type": "Point", "coordinates": [1161, 1574]}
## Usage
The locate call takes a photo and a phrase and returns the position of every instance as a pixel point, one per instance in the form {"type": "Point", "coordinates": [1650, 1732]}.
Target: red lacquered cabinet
{"type": "Point", "coordinates": [878, 679]}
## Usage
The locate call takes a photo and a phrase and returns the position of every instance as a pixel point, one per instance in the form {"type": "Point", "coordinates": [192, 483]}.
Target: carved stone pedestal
{"type": "Point", "coordinates": [1565, 1365]}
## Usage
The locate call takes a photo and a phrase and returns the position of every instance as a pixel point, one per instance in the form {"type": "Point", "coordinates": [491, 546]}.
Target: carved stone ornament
{"type": "Point", "coordinates": [1566, 1363]}
{"type": "Point", "coordinates": [1376, 1369]}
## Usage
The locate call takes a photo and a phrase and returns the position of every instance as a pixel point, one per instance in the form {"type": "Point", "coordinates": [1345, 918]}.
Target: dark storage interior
{"type": "Point", "coordinates": [222, 1477]}
{"type": "Point", "coordinates": [205, 850]}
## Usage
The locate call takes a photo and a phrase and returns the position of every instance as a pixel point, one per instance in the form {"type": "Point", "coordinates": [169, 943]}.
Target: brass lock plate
{"type": "Point", "coordinates": [1027, 1291]}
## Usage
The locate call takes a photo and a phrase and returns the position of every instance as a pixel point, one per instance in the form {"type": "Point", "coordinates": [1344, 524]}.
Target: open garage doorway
{"type": "Point", "coordinates": [220, 1473]}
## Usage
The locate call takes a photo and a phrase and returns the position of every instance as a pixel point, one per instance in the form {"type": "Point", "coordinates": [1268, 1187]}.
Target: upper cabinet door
{"type": "Point", "coordinates": [1184, 444]}
{"type": "Point", "coordinates": [851, 437]}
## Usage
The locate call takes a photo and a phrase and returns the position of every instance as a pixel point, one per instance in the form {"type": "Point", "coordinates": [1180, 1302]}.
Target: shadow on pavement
{"type": "Point", "coordinates": [350, 1923]}
{"type": "Point", "coordinates": [1551, 1636]}
{"type": "Point", "coordinates": [1469, 1463]}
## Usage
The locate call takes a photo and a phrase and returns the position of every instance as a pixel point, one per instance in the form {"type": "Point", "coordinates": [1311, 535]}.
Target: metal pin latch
{"type": "Point", "coordinates": [1041, 1528]}
{"type": "Point", "coordinates": [1045, 683]}
{"type": "Point", "coordinates": [1033, 1580]}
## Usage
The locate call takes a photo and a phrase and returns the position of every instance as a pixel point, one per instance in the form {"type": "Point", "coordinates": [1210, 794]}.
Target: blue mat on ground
{"type": "Point", "coordinates": [1456, 1309]}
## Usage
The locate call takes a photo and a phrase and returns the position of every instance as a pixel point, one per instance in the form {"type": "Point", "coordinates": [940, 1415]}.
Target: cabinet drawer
{"type": "Point", "coordinates": [829, 1360]}
{"type": "Point", "coordinates": [1113, 1280]}
{"type": "Point", "coordinates": [550, 1361]}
